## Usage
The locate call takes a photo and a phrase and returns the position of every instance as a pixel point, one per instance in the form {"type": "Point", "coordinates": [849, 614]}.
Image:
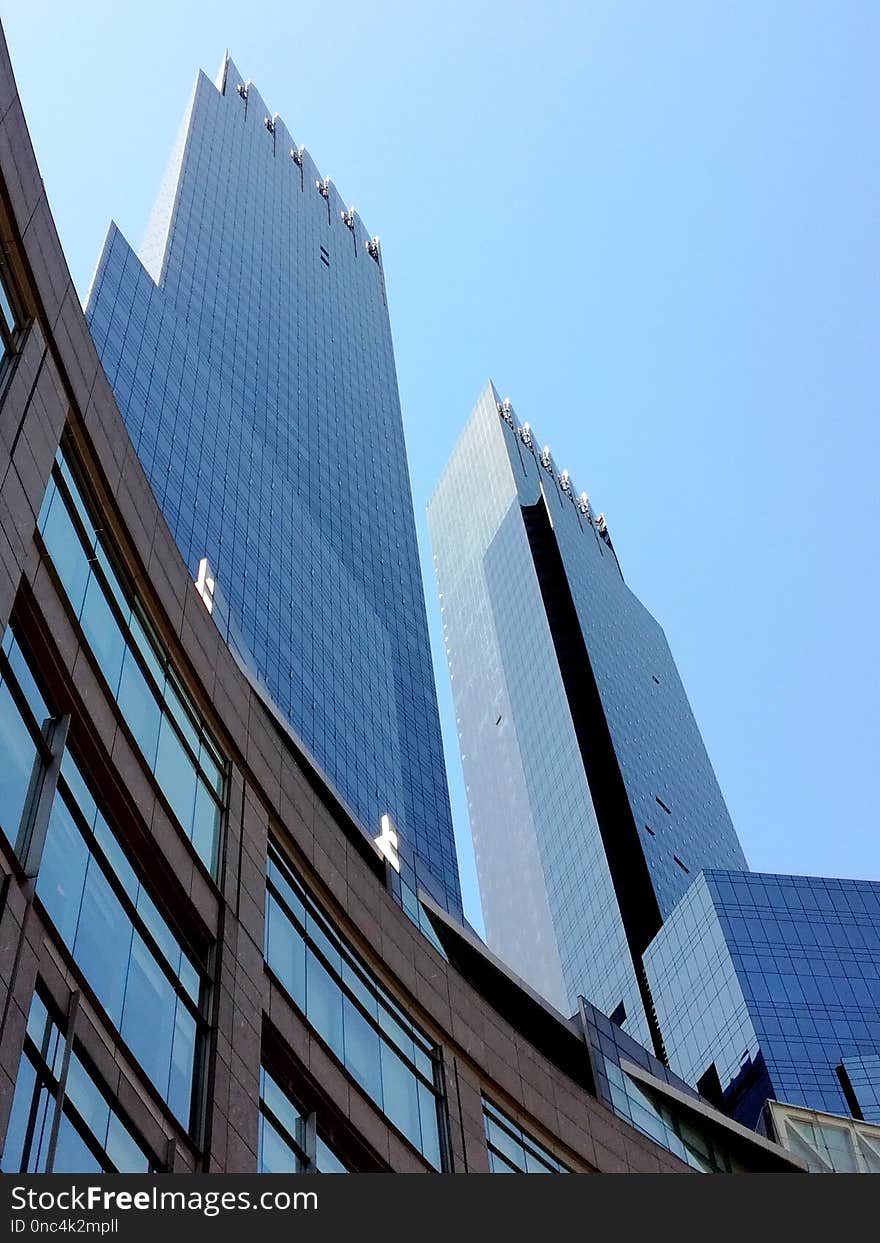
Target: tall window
{"type": "Point", "coordinates": [166, 725]}
{"type": "Point", "coordinates": [289, 1140]}
{"type": "Point", "coordinates": [10, 315]}
{"type": "Point", "coordinates": [393, 1061]}
{"type": "Point", "coordinates": [146, 981]}
{"type": "Point", "coordinates": [23, 738]}
{"type": "Point", "coordinates": [656, 1118]}
{"type": "Point", "coordinates": [512, 1150]}
{"type": "Point", "coordinates": [64, 1120]}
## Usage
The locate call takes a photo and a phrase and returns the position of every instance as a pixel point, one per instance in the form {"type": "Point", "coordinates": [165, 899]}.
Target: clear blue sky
{"type": "Point", "coordinates": [656, 227]}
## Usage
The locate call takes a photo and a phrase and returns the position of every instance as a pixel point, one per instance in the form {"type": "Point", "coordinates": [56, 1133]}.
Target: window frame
{"type": "Point", "coordinates": [531, 1147]}
{"type": "Point", "coordinates": [365, 978]}
{"type": "Point", "coordinates": [69, 1045]}
{"type": "Point", "coordinates": [102, 562]}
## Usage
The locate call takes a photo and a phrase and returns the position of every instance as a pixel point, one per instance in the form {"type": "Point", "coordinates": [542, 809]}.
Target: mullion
{"type": "Point", "coordinates": [128, 906]}
{"type": "Point", "coordinates": [44, 1080]}
{"type": "Point", "coordinates": [72, 1114]}
{"type": "Point", "coordinates": [112, 1103]}
{"type": "Point", "coordinates": [346, 991]}
{"type": "Point", "coordinates": [299, 1151]}
{"type": "Point", "coordinates": [130, 642]}
{"type": "Point", "coordinates": [24, 710]}
{"type": "Point", "coordinates": [11, 293]}
{"type": "Point", "coordinates": [387, 1003]}
{"type": "Point", "coordinates": [167, 714]}
{"type": "Point", "coordinates": [521, 1138]}
{"type": "Point", "coordinates": [505, 1160]}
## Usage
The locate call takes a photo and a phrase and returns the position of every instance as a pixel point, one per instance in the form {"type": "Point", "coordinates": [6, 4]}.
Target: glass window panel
{"type": "Point", "coordinates": [514, 1148]}
{"type": "Point", "coordinates": [356, 984]}
{"type": "Point", "coordinates": [90, 1104]}
{"type": "Point", "coordinates": [71, 1154]}
{"type": "Point", "coordinates": [176, 775]}
{"type": "Point", "coordinates": [190, 979]}
{"type": "Point", "coordinates": [139, 707]}
{"type": "Point", "coordinates": [174, 703]}
{"type": "Point", "coordinates": [50, 1044]}
{"type": "Point", "coordinates": [324, 1004]}
{"type": "Point", "coordinates": [500, 1138]}
{"type": "Point", "coordinates": [148, 1013]}
{"type": "Point", "coordinates": [145, 646]}
{"type": "Point", "coordinates": [159, 930]}
{"type": "Point", "coordinates": [125, 1154]}
{"type": "Point", "coordinates": [113, 582]}
{"type": "Point", "coordinates": [280, 1104]}
{"type": "Point", "coordinates": [82, 795]}
{"type": "Point", "coordinates": [18, 1118]}
{"type": "Point", "coordinates": [6, 310]}
{"type": "Point", "coordinates": [534, 1164]}
{"type": "Point", "coordinates": [76, 500]}
{"type": "Point", "coordinates": [26, 682]}
{"type": "Point", "coordinates": [102, 631]}
{"type": "Point", "coordinates": [400, 1097]}
{"type": "Point", "coordinates": [429, 1125]}
{"type": "Point", "coordinates": [103, 940]}
{"type": "Point", "coordinates": [424, 1062]}
{"type": "Point", "coordinates": [66, 551]}
{"type": "Point", "coordinates": [62, 875]}
{"type": "Point", "coordinates": [116, 857]}
{"type": "Point", "coordinates": [42, 1125]}
{"type": "Point", "coordinates": [286, 953]}
{"type": "Point", "coordinates": [212, 770]}
{"type": "Point", "coordinates": [326, 1159]}
{"type": "Point", "coordinates": [288, 893]}
{"type": "Point", "coordinates": [328, 948]}
{"type": "Point", "coordinates": [276, 1155]}
{"type": "Point", "coordinates": [38, 1020]}
{"type": "Point", "coordinates": [183, 1065]}
{"type": "Point", "coordinates": [18, 754]}
{"type": "Point", "coordinates": [362, 1051]}
{"type": "Point", "coordinates": [206, 827]}
{"type": "Point", "coordinates": [400, 1037]}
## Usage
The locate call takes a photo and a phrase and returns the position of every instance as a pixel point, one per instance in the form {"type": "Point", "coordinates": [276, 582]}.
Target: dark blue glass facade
{"type": "Point", "coordinates": [775, 982]}
{"type": "Point", "coordinates": [249, 348]}
{"type": "Point", "coordinates": [592, 800]}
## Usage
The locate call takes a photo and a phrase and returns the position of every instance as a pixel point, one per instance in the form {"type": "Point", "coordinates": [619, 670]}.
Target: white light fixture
{"type": "Point", "coordinates": [206, 584]}
{"type": "Point", "coordinates": [388, 842]}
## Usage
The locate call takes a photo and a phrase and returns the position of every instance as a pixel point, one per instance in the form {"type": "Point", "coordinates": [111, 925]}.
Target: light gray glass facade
{"type": "Point", "coordinates": [249, 349]}
{"type": "Point", "coordinates": [592, 800]}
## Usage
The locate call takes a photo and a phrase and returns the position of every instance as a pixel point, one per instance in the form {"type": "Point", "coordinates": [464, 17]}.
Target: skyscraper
{"type": "Point", "coordinates": [249, 348]}
{"type": "Point", "coordinates": [202, 970]}
{"type": "Point", "coordinates": [592, 800]}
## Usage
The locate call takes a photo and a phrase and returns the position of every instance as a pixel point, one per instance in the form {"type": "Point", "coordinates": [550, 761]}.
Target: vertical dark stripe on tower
{"type": "Point", "coordinates": [620, 838]}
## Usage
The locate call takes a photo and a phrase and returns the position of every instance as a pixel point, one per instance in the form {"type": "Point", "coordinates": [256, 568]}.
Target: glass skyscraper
{"type": "Point", "coordinates": [249, 348]}
{"type": "Point", "coordinates": [592, 800]}
{"type": "Point", "coordinates": [768, 987]}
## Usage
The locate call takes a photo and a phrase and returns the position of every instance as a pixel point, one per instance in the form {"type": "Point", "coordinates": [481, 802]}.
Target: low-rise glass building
{"type": "Point", "coordinates": [768, 987]}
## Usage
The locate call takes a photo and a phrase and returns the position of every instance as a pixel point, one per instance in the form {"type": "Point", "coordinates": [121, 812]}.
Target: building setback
{"type": "Point", "coordinates": [202, 965]}
{"type": "Point", "coordinates": [249, 349]}
{"type": "Point", "coordinates": [592, 800]}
